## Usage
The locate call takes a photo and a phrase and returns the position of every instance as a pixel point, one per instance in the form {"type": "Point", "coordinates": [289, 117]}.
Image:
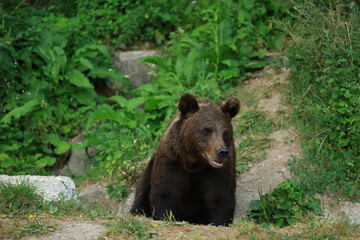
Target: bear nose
{"type": "Point", "coordinates": [222, 153]}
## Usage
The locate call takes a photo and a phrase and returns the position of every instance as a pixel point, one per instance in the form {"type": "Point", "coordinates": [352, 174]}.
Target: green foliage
{"type": "Point", "coordinates": [224, 49]}
{"type": "Point", "coordinates": [284, 206]}
{"type": "Point", "coordinates": [48, 84]}
{"type": "Point", "coordinates": [325, 85]}
{"type": "Point", "coordinates": [123, 23]}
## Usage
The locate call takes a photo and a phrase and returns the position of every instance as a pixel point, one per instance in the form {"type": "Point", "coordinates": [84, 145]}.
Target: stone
{"type": "Point", "coordinates": [127, 63]}
{"type": "Point", "coordinates": [126, 204]}
{"type": "Point", "coordinates": [96, 194]}
{"type": "Point", "coordinates": [51, 188]}
{"type": "Point", "coordinates": [78, 162]}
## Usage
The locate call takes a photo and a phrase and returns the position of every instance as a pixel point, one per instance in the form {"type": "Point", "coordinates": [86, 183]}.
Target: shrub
{"type": "Point", "coordinates": [284, 206]}
{"type": "Point", "coordinates": [47, 86]}
{"type": "Point", "coordinates": [325, 85]}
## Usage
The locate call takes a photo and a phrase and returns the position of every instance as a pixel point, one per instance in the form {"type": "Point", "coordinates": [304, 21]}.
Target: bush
{"type": "Point", "coordinates": [286, 205]}
{"type": "Point", "coordinates": [47, 86]}
{"type": "Point", "coordinates": [325, 85]}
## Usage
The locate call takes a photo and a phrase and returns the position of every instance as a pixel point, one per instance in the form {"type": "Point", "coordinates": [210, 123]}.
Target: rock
{"type": "Point", "coordinates": [78, 162]}
{"type": "Point", "coordinates": [49, 187]}
{"type": "Point", "coordinates": [96, 194]}
{"type": "Point", "coordinates": [126, 62]}
{"type": "Point", "coordinates": [126, 204]}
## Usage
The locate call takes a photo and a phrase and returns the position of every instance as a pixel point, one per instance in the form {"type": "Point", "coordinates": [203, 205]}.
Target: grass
{"type": "Point", "coordinates": [19, 198]}
{"type": "Point", "coordinates": [132, 226]}
{"type": "Point", "coordinates": [253, 128]}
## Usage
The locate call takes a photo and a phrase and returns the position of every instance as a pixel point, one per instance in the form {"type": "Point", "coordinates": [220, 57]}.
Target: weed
{"type": "Point", "coordinates": [129, 225]}
{"type": "Point", "coordinates": [19, 198]}
{"type": "Point", "coordinates": [325, 92]}
{"type": "Point", "coordinates": [35, 227]}
{"type": "Point", "coordinates": [287, 204]}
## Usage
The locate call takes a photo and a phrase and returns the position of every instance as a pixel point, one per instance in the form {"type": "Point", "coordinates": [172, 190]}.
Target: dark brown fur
{"type": "Point", "coordinates": [192, 173]}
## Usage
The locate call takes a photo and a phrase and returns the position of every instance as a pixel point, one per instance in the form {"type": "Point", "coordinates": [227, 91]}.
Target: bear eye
{"type": "Point", "coordinates": [225, 135]}
{"type": "Point", "coordinates": [207, 132]}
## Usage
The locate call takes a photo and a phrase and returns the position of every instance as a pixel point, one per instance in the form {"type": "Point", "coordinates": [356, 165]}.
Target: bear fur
{"type": "Point", "coordinates": [192, 172]}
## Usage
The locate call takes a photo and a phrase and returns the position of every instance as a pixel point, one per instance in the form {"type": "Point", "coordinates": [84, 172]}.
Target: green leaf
{"type": "Point", "coordinates": [224, 32]}
{"type": "Point", "coordinates": [102, 115]}
{"type": "Point", "coordinates": [86, 63]}
{"type": "Point", "coordinates": [281, 213]}
{"type": "Point", "coordinates": [120, 100]}
{"type": "Point", "coordinates": [3, 156]}
{"type": "Point", "coordinates": [9, 162]}
{"type": "Point", "coordinates": [78, 79]}
{"type": "Point", "coordinates": [160, 62]}
{"type": "Point", "coordinates": [62, 147]}
{"type": "Point", "coordinates": [255, 205]}
{"type": "Point", "coordinates": [46, 161]}
{"type": "Point", "coordinates": [20, 111]}
{"type": "Point", "coordinates": [92, 51]}
{"type": "Point", "coordinates": [134, 103]}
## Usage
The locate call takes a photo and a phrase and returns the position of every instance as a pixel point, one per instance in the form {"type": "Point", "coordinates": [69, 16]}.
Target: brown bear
{"type": "Point", "coordinates": [192, 173]}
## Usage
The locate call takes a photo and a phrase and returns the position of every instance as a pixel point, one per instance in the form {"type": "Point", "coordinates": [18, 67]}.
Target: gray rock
{"type": "Point", "coordinates": [49, 187]}
{"type": "Point", "coordinates": [96, 194]}
{"type": "Point", "coordinates": [126, 203]}
{"type": "Point", "coordinates": [78, 162]}
{"type": "Point", "coordinates": [126, 62]}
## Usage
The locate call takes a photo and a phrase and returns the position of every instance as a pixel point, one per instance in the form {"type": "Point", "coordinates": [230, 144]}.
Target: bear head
{"type": "Point", "coordinates": [206, 132]}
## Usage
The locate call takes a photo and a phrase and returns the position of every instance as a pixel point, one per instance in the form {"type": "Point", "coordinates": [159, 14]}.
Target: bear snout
{"type": "Point", "coordinates": [222, 153]}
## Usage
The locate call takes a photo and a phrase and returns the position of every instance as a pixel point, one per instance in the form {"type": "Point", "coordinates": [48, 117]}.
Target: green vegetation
{"type": "Point", "coordinates": [57, 78]}
{"type": "Point", "coordinates": [325, 91]}
{"type": "Point", "coordinates": [287, 204]}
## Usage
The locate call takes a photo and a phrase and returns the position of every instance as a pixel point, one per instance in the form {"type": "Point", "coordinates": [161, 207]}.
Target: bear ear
{"type": "Point", "coordinates": [231, 107]}
{"type": "Point", "coordinates": [188, 104]}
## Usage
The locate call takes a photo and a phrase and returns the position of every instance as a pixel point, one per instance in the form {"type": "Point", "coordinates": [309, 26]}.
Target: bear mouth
{"type": "Point", "coordinates": [216, 164]}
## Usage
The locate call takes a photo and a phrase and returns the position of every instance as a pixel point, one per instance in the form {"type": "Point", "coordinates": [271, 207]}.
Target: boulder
{"type": "Point", "coordinates": [126, 62]}
{"type": "Point", "coordinates": [78, 162]}
{"type": "Point", "coordinates": [52, 189]}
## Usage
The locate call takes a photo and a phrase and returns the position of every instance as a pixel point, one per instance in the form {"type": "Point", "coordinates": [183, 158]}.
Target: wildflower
{"type": "Point", "coordinates": [20, 36]}
{"type": "Point", "coordinates": [140, 134]}
{"type": "Point", "coordinates": [110, 69]}
{"type": "Point", "coordinates": [148, 126]}
{"type": "Point", "coordinates": [135, 140]}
